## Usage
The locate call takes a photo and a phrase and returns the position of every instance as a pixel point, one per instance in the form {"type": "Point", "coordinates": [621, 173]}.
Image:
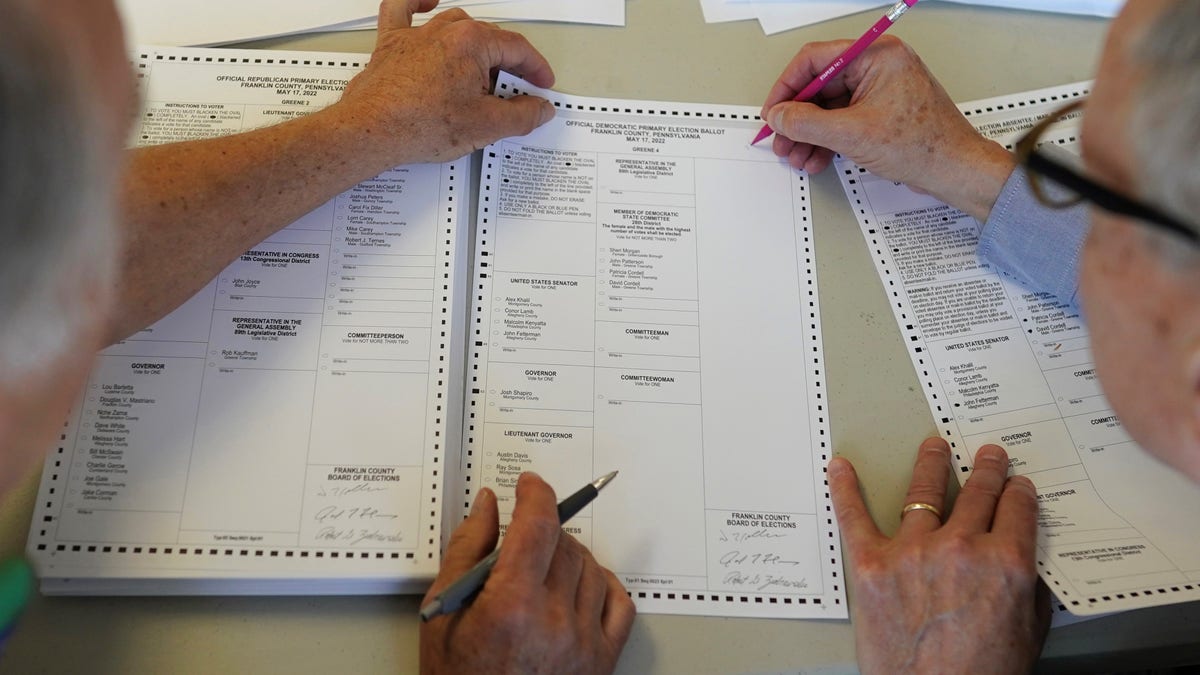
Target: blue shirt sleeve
{"type": "Point", "coordinates": [1037, 245]}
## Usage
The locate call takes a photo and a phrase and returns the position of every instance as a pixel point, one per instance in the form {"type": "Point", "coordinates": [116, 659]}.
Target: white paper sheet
{"type": "Point", "coordinates": [187, 22]}
{"type": "Point", "coordinates": [285, 429]}
{"type": "Point", "coordinates": [1003, 364]}
{"type": "Point", "coordinates": [602, 12]}
{"type": "Point", "coordinates": [1092, 7]}
{"type": "Point", "coordinates": [776, 16]}
{"type": "Point", "coordinates": [720, 11]}
{"type": "Point", "coordinates": [646, 302]}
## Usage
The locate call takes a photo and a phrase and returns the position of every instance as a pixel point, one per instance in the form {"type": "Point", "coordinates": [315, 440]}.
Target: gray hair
{"type": "Point", "coordinates": [56, 231]}
{"type": "Point", "coordinates": [1166, 119]}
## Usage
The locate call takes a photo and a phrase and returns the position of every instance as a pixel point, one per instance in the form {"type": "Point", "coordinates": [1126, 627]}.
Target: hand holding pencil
{"type": "Point", "coordinates": [820, 79]}
{"type": "Point", "coordinates": [888, 113]}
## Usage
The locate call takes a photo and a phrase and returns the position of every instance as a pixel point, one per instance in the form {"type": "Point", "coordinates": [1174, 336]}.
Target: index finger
{"type": "Point", "coordinates": [532, 536]}
{"type": "Point", "coordinates": [858, 529]}
{"type": "Point", "coordinates": [812, 58]}
{"type": "Point", "coordinates": [619, 611]}
{"type": "Point", "coordinates": [1017, 511]}
{"type": "Point", "coordinates": [511, 52]}
{"type": "Point", "coordinates": [470, 542]}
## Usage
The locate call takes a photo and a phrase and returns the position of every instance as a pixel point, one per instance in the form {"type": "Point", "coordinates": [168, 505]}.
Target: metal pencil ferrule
{"type": "Point", "coordinates": [897, 10]}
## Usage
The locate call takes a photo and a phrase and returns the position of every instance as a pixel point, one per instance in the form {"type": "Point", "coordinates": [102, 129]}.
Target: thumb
{"type": "Point", "coordinates": [814, 125]}
{"type": "Point", "coordinates": [394, 14]}
{"type": "Point", "coordinates": [1043, 600]}
{"type": "Point", "coordinates": [471, 541]}
{"type": "Point", "coordinates": [518, 115]}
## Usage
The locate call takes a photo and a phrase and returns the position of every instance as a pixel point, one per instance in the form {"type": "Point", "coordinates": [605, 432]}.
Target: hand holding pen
{"type": "Point", "coordinates": [548, 605]}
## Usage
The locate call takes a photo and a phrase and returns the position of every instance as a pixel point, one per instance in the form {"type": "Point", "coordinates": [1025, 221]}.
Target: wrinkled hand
{"type": "Point", "coordinates": [547, 607]}
{"type": "Point", "coordinates": [888, 113]}
{"type": "Point", "coordinates": [424, 95]}
{"type": "Point", "coordinates": [959, 597]}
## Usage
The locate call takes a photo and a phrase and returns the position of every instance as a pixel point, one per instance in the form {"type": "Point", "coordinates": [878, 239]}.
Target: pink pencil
{"type": "Point", "coordinates": [859, 46]}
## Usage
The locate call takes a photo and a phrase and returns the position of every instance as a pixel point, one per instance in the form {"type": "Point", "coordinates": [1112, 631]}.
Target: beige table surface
{"type": "Point", "coordinates": [665, 52]}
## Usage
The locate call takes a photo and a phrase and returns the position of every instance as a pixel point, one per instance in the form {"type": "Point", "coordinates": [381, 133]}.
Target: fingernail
{"type": "Point", "coordinates": [1023, 483]}
{"type": "Point", "coordinates": [485, 493]}
{"type": "Point", "coordinates": [838, 466]}
{"type": "Point", "coordinates": [937, 444]}
{"type": "Point", "coordinates": [547, 112]}
{"type": "Point", "coordinates": [993, 452]}
{"type": "Point", "coordinates": [773, 117]}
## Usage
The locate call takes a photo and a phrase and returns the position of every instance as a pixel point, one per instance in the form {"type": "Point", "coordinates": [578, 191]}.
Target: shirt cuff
{"type": "Point", "coordinates": [1036, 244]}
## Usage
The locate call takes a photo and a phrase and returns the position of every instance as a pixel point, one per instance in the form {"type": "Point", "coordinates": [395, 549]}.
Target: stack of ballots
{"type": "Point", "coordinates": [776, 16]}
{"type": "Point", "coordinates": [216, 22]}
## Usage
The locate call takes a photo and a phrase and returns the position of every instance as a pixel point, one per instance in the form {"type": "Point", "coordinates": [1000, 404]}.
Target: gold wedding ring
{"type": "Point", "coordinates": [921, 506]}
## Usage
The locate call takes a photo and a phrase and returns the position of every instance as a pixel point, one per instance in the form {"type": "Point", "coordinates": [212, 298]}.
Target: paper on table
{"type": "Point", "coordinates": [1003, 364]}
{"type": "Point", "coordinates": [189, 22]}
{"type": "Point", "coordinates": [646, 302]}
{"type": "Point", "coordinates": [1096, 7]}
{"type": "Point", "coordinates": [776, 17]}
{"type": "Point", "coordinates": [602, 12]}
{"type": "Point", "coordinates": [720, 11]}
{"type": "Point", "coordinates": [184, 22]}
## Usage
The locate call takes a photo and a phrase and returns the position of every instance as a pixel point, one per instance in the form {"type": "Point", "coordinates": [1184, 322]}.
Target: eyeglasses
{"type": "Point", "coordinates": [1080, 188]}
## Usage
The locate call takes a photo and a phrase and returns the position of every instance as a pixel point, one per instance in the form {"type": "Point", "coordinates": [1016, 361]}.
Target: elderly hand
{"type": "Point", "coordinates": [190, 208]}
{"type": "Point", "coordinates": [888, 113]}
{"type": "Point", "coordinates": [547, 607]}
{"type": "Point", "coordinates": [959, 597]}
{"type": "Point", "coordinates": [424, 96]}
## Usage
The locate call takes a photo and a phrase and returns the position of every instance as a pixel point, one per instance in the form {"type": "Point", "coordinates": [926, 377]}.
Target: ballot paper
{"type": "Point", "coordinates": [1001, 363]}
{"type": "Point", "coordinates": [652, 308]}
{"type": "Point", "coordinates": [642, 298]}
{"type": "Point", "coordinates": [285, 430]}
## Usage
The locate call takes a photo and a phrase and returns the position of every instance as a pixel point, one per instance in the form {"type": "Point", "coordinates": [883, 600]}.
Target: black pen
{"type": "Point", "coordinates": [465, 587]}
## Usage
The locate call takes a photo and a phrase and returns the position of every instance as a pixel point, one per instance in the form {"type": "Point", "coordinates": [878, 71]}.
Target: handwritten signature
{"type": "Point", "coordinates": [332, 512]}
{"type": "Point", "coordinates": [340, 491]}
{"type": "Point", "coordinates": [764, 581]}
{"type": "Point", "coordinates": [357, 535]}
{"type": "Point", "coordinates": [738, 558]}
{"type": "Point", "coordinates": [760, 533]}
